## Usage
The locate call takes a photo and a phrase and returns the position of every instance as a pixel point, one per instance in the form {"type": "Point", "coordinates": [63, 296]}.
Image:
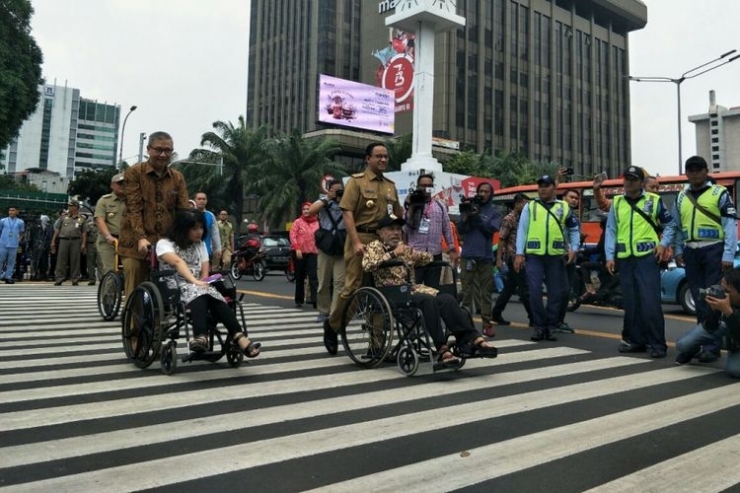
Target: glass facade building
{"type": "Point", "coordinates": [97, 135]}
{"type": "Point", "coordinates": [545, 78]}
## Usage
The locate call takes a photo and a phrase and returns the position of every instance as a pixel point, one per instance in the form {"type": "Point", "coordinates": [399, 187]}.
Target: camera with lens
{"type": "Point", "coordinates": [470, 205]}
{"type": "Point", "coordinates": [339, 193]}
{"type": "Point", "coordinates": [418, 197]}
{"type": "Point", "coordinates": [715, 291]}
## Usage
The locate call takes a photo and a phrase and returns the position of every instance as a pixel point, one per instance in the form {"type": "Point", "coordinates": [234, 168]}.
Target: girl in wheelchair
{"type": "Point", "coordinates": [184, 251]}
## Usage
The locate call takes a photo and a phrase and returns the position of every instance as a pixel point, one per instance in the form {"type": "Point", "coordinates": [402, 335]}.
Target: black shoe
{"type": "Point", "coordinates": [75, 283]}
{"type": "Point", "coordinates": [709, 356]}
{"type": "Point", "coordinates": [91, 283]}
{"type": "Point", "coordinates": [499, 320]}
{"type": "Point", "coordinates": [299, 305]}
{"type": "Point", "coordinates": [549, 336]}
{"type": "Point", "coordinates": [685, 358]}
{"type": "Point", "coordinates": [537, 335]}
{"type": "Point", "coordinates": [632, 348]}
{"type": "Point", "coordinates": [10, 281]}
{"type": "Point", "coordinates": [657, 353]}
{"type": "Point", "coordinates": [331, 342]}
{"type": "Point", "coordinates": [58, 283]}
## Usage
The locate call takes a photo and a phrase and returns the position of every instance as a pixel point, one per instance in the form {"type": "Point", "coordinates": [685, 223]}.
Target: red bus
{"type": "Point", "coordinates": [669, 187]}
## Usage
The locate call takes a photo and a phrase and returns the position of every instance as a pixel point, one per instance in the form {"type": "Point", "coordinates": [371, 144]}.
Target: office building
{"type": "Point", "coordinates": [718, 136]}
{"type": "Point", "coordinates": [66, 134]}
{"type": "Point", "coordinates": [542, 77]}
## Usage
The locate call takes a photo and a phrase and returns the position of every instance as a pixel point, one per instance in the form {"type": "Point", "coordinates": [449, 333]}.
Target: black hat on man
{"type": "Point", "coordinates": [546, 180]}
{"type": "Point", "coordinates": [696, 162]}
{"type": "Point", "coordinates": [634, 172]}
{"type": "Point", "coordinates": [389, 220]}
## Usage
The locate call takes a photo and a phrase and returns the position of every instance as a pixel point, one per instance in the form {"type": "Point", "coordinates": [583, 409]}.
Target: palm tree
{"type": "Point", "coordinates": [399, 151]}
{"type": "Point", "coordinates": [292, 174]}
{"type": "Point", "coordinates": [238, 152]}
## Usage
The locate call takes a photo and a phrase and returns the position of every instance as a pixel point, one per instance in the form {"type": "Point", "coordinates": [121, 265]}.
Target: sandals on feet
{"type": "Point", "coordinates": [251, 350]}
{"type": "Point", "coordinates": [447, 358]}
{"type": "Point", "coordinates": [199, 344]}
{"type": "Point", "coordinates": [478, 349]}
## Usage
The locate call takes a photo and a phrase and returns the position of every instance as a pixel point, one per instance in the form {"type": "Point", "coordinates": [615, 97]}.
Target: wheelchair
{"type": "Point", "coordinates": [110, 289]}
{"type": "Point", "coordinates": [154, 317]}
{"type": "Point", "coordinates": [377, 314]}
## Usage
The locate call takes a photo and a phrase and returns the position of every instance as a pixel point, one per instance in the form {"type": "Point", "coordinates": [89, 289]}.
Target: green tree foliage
{"type": "Point", "coordinates": [509, 169]}
{"type": "Point", "coordinates": [399, 151]}
{"type": "Point", "coordinates": [7, 182]}
{"type": "Point", "coordinates": [231, 159]}
{"type": "Point", "coordinates": [292, 175]}
{"type": "Point", "coordinates": [90, 185]}
{"type": "Point", "coordinates": [20, 68]}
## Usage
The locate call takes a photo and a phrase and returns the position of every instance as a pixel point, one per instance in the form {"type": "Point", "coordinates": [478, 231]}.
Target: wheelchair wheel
{"type": "Point", "coordinates": [259, 269]}
{"type": "Point", "coordinates": [236, 273]}
{"type": "Point", "coordinates": [234, 357]}
{"type": "Point", "coordinates": [367, 327]}
{"type": "Point", "coordinates": [109, 295]}
{"type": "Point", "coordinates": [169, 358]}
{"type": "Point", "coordinates": [408, 361]}
{"type": "Point", "coordinates": [141, 324]}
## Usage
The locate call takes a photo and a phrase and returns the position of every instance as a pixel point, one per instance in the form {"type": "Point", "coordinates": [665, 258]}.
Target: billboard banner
{"type": "Point", "coordinates": [396, 68]}
{"type": "Point", "coordinates": [351, 104]}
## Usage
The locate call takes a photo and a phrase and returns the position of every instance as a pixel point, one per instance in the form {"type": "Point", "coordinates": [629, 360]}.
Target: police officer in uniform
{"type": "Point", "coordinates": [91, 251]}
{"type": "Point", "coordinates": [632, 235]}
{"type": "Point", "coordinates": [368, 198]}
{"type": "Point", "coordinates": [547, 229]}
{"type": "Point", "coordinates": [72, 233]}
{"type": "Point", "coordinates": [108, 213]}
{"type": "Point", "coordinates": [705, 238]}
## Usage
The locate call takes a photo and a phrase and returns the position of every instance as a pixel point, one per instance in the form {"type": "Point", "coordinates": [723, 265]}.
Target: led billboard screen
{"type": "Point", "coordinates": [351, 104]}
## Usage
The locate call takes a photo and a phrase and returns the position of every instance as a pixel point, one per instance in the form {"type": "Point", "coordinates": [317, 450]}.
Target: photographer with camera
{"type": "Point", "coordinates": [479, 219]}
{"type": "Point", "coordinates": [722, 321]}
{"type": "Point", "coordinates": [427, 223]}
{"type": "Point", "coordinates": [330, 239]}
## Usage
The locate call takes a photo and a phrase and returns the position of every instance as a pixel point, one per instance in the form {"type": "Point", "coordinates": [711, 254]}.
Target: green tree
{"type": "Point", "coordinates": [399, 151]}
{"type": "Point", "coordinates": [20, 68]}
{"type": "Point", "coordinates": [90, 185]}
{"type": "Point", "coordinates": [231, 159]}
{"type": "Point", "coordinates": [467, 163]}
{"type": "Point", "coordinates": [293, 173]}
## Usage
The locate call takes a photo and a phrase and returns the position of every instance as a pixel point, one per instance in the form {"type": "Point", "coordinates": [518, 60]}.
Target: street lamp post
{"type": "Point", "coordinates": [689, 74]}
{"type": "Point", "coordinates": [123, 131]}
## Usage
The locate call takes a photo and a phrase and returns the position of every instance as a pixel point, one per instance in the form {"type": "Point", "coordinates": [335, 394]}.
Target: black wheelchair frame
{"type": "Point", "coordinates": [374, 314]}
{"type": "Point", "coordinates": [154, 317]}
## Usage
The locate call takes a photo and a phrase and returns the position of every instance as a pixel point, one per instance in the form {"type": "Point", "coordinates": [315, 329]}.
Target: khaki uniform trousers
{"type": "Point", "coordinates": [330, 270]}
{"type": "Point", "coordinates": [135, 272]}
{"type": "Point", "coordinates": [68, 257]}
{"type": "Point", "coordinates": [353, 275]}
{"type": "Point", "coordinates": [106, 256]}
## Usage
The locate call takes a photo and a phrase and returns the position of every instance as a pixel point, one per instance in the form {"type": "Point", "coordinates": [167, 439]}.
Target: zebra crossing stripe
{"type": "Point", "coordinates": [718, 461]}
{"type": "Point", "coordinates": [484, 463]}
{"type": "Point", "coordinates": [446, 473]}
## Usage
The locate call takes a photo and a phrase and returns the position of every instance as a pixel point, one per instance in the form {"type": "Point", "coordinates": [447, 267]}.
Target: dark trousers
{"type": "Point", "coordinates": [204, 305]}
{"type": "Point", "coordinates": [305, 267]}
{"type": "Point", "coordinates": [549, 269]}
{"type": "Point", "coordinates": [643, 315]}
{"type": "Point", "coordinates": [444, 307]}
{"type": "Point", "coordinates": [429, 276]}
{"type": "Point", "coordinates": [572, 275]}
{"type": "Point", "coordinates": [514, 282]}
{"type": "Point", "coordinates": [703, 269]}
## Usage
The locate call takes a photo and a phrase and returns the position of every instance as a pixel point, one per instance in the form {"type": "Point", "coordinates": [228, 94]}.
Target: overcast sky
{"type": "Point", "coordinates": [184, 64]}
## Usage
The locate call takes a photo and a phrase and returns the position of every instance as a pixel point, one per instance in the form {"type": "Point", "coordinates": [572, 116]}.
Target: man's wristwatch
{"type": "Point", "coordinates": [325, 202]}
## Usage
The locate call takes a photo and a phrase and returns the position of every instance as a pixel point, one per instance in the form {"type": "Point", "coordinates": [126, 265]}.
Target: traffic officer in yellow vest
{"type": "Point", "coordinates": [547, 230]}
{"type": "Point", "coordinates": [72, 233]}
{"type": "Point", "coordinates": [368, 198]}
{"type": "Point", "coordinates": [633, 228]}
{"type": "Point", "coordinates": [705, 238]}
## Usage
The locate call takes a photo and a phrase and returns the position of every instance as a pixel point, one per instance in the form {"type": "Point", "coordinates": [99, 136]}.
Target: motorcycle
{"type": "Point", "coordinates": [249, 259]}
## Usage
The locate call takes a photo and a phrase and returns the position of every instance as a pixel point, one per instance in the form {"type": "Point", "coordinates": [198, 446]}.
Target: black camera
{"type": "Point", "coordinates": [418, 197]}
{"type": "Point", "coordinates": [569, 171]}
{"type": "Point", "coordinates": [470, 205]}
{"type": "Point", "coordinates": [339, 193]}
{"type": "Point", "coordinates": [715, 291]}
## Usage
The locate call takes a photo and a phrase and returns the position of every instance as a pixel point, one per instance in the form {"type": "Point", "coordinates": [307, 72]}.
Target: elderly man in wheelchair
{"type": "Point", "coordinates": [391, 263]}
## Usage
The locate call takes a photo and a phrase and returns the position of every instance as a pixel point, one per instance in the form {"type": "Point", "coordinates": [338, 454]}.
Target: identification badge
{"type": "Point", "coordinates": [389, 207]}
{"type": "Point", "coordinates": [424, 226]}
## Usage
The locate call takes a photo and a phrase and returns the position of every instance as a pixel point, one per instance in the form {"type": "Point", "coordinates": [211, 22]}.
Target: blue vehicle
{"type": "Point", "coordinates": [674, 288]}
